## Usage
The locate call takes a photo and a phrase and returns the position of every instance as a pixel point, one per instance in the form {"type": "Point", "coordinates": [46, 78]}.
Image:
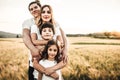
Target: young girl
{"type": "Point", "coordinates": [50, 57]}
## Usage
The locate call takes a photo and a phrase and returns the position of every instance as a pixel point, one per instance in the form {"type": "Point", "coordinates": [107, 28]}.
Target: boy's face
{"type": "Point", "coordinates": [47, 33]}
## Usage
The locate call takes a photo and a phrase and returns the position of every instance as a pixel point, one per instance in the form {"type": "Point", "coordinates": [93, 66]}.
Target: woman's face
{"type": "Point", "coordinates": [35, 10]}
{"type": "Point", "coordinates": [46, 14]}
{"type": "Point", "coordinates": [52, 52]}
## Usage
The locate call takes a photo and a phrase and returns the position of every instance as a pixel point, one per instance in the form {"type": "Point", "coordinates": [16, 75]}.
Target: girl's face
{"type": "Point", "coordinates": [52, 52]}
{"type": "Point", "coordinates": [46, 14]}
{"type": "Point", "coordinates": [35, 10]}
{"type": "Point", "coordinates": [47, 33]}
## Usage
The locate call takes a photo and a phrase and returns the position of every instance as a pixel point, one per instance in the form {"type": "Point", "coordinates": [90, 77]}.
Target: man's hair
{"type": "Point", "coordinates": [46, 25]}
{"type": "Point", "coordinates": [34, 2]}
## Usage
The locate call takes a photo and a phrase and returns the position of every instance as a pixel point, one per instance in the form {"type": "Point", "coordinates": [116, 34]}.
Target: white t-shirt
{"type": "Point", "coordinates": [30, 24]}
{"type": "Point", "coordinates": [48, 63]}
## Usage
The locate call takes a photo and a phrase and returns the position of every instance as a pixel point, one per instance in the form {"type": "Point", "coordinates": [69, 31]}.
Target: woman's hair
{"type": "Point", "coordinates": [45, 51]}
{"type": "Point", "coordinates": [46, 25]}
{"type": "Point", "coordinates": [51, 12]}
{"type": "Point", "coordinates": [34, 2]}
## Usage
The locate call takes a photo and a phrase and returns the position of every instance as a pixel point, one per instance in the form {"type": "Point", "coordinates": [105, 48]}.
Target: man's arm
{"type": "Point", "coordinates": [35, 40]}
{"type": "Point", "coordinates": [27, 41]}
{"type": "Point", "coordinates": [38, 66]}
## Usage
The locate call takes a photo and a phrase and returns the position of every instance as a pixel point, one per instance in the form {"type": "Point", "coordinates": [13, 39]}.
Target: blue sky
{"type": "Point", "coordinates": [74, 16]}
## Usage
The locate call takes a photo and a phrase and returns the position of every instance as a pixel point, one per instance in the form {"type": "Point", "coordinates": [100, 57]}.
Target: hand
{"type": "Point", "coordinates": [35, 62]}
{"type": "Point", "coordinates": [49, 71]}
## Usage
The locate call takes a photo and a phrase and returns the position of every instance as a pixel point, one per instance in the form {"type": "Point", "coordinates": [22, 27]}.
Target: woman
{"type": "Point", "coordinates": [47, 16]}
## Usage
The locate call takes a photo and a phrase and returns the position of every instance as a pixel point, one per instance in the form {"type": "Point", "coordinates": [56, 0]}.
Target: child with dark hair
{"type": "Point", "coordinates": [50, 57]}
{"type": "Point", "coordinates": [47, 31]}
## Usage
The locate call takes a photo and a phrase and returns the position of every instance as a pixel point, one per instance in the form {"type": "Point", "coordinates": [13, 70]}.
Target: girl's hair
{"type": "Point", "coordinates": [45, 51]}
{"type": "Point", "coordinates": [51, 12]}
{"type": "Point", "coordinates": [34, 2]}
{"type": "Point", "coordinates": [46, 25]}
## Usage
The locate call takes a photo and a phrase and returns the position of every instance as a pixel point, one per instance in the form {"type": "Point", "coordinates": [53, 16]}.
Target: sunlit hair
{"type": "Point", "coordinates": [34, 2]}
{"type": "Point", "coordinates": [46, 25]}
{"type": "Point", "coordinates": [45, 51]}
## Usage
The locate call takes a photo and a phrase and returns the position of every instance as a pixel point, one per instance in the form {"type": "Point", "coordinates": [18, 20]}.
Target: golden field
{"type": "Point", "coordinates": [89, 59]}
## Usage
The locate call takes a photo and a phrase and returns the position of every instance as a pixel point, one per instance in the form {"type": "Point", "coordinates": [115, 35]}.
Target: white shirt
{"type": "Point", "coordinates": [28, 24]}
{"type": "Point", "coordinates": [47, 63]}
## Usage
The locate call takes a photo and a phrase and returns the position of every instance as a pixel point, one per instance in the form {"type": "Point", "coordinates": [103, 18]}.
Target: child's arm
{"type": "Point", "coordinates": [41, 70]}
{"type": "Point", "coordinates": [54, 75]}
{"type": "Point", "coordinates": [58, 66]}
{"type": "Point", "coordinates": [40, 76]}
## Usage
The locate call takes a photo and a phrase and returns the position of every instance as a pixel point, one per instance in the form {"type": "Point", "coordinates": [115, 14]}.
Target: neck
{"type": "Point", "coordinates": [51, 59]}
{"type": "Point", "coordinates": [37, 20]}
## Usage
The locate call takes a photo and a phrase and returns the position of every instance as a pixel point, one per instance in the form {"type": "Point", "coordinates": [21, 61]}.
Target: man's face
{"type": "Point", "coordinates": [35, 10]}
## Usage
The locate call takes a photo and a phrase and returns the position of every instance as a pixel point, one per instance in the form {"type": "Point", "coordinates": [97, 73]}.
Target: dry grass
{"type": "Point", "coordinates": [103, 59]}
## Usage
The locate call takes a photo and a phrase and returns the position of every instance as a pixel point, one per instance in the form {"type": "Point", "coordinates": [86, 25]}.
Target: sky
{"type": "Point", "coordinates": [74, 16]}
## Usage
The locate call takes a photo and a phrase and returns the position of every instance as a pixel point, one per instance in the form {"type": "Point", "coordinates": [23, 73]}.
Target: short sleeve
{"type": "Point", "coordinates": [33, 29]}
{"type": "Point", "coordinates": [28, 23]}
{"type": "Point", "coordinates": [57, 29]}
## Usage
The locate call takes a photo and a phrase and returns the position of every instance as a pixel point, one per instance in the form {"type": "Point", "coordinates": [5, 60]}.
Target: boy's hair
{"type": "Point", "coordinates": [45, 51]}
{"type": "Point", "coordinates": [46, 25]}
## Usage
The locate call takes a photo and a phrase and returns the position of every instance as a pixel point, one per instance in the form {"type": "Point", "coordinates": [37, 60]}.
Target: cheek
{"type": "Point", "coordinates": [55, 53]}
{"type": "Point", "coordinates": [42, 15]}
{"type": "Point", "coordinates": [50, 16]}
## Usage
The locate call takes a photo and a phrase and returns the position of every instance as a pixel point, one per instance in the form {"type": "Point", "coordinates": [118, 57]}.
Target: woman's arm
{"type": "Point", "coordinates": [65, 49]}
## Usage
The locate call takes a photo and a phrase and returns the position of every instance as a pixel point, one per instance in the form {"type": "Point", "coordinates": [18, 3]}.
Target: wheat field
{"type": "Point", "coordinates": [88, 59]}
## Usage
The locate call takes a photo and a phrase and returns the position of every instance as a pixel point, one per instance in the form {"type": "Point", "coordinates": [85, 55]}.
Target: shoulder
{"type": "Point", "coordinates": [34, 26]}
{"type": "Point", "coordinates": [28, 21]}
{"type": "Point", "coordinates": [56, 24]}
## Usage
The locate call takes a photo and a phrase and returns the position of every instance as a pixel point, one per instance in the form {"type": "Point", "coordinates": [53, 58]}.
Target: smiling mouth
{"type": "Point", "coordinates": [46, 17]}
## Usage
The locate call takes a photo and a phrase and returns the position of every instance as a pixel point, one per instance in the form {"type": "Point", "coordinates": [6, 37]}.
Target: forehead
{"type": "Point", "coordinates": [46, 8]}
{"type": "Point", "coordinates": [32, 5]}
{"type": "Point", "coordinates": [53, 46]}
{"type": "Point", "coordinates": [46, 28]}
